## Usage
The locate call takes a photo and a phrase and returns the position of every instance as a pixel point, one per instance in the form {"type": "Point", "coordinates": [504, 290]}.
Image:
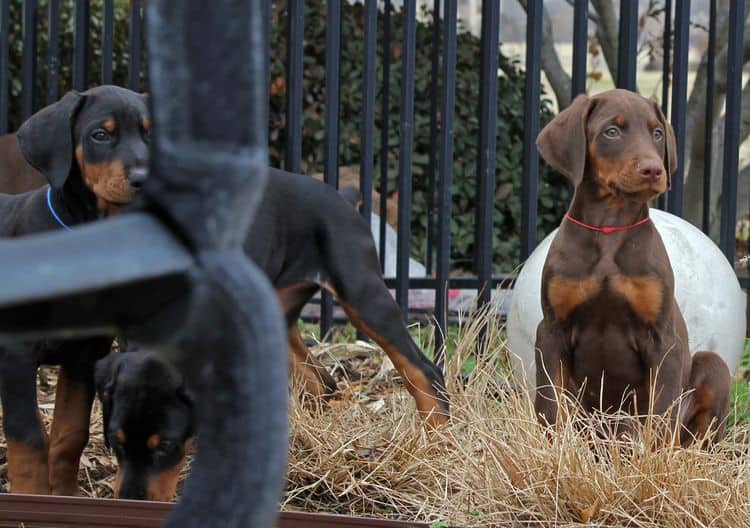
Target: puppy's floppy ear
{"type": "Point", "coordinates": [105, 380]}
{"type": "Point", "coordinates": [563, 144]}
{"type": "Point", "coordinates": [670, 144]}
{"type": "Point", "coordinates": [46, 138]}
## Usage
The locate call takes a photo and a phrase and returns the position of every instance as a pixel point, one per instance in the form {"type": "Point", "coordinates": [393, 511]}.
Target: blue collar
{"type": "Point", "coordinates": [52, 210]}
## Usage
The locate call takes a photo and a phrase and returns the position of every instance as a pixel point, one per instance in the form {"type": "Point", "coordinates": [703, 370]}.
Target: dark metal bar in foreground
{"type": "Point", "coordinates": [666, 76]}
{"type": "Point", "coordinates": [708, 132]}
{"type": "Point", "coordinates": [732, 129]}
{"type": "Point", "coordinates": [294, 81]}
{"type": "Point", "coordinates": [405, 156]}
{"type": "Point", "coordinates": [679, 100]}
{"type": "Point", "coordinates": [487, 144]}
{"type": "Point", "coordinates": [331, 146]}
{"type": "Point", "coordinates": [446, 178]}
{"type": "Point", "coordinates": [628, 44]}
{"type": "Point", "coordinates": [532, 94]}
{"type": "Point", "coordinates": [580, 47]}
{"type": "Point", "coordinates": [28, 60]}
{"type": "Point", "coordinates": [367, 128]}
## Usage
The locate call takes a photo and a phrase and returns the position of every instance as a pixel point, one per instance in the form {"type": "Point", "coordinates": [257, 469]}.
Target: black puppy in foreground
{"type": "Point", "coordinates": [92, 149]}
{"type": "Point", "coordinates": [305, 237]}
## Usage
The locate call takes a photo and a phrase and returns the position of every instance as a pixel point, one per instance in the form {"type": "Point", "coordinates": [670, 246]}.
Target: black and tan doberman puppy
{"type": "Point", "coordinates": [305, 237]}
{"type": "Point", "coordinates": [612, 332]}
{"type": "Point", "coordinates": [92, 147]}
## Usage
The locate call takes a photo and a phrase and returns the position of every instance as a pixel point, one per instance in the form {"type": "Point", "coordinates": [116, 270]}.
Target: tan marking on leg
{"type": "Point", "coordinates": [565, 295]}
{"type": "Point", "coordinates": [118, 483]}
{"type": "Point", "coordinates": [645, 295]}
{"type": "Point", "coordinates": [163, 486]}
{"type": "Point", "coordinates": [419, 386]}
{"type": "Point", "coordinates": [69, 434]}
{"type": "Point", "coordinates": [305, 368]}
{"type": "Point", "coordinates": [707, 406]}
{"type": "Point", "coordinates": [27, 469]}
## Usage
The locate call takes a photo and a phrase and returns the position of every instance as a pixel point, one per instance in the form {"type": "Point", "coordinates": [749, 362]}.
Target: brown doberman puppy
{"type": "Point", "coordinates": [92, 148]}
{"type": "Point", "coordinates": [612, 333]}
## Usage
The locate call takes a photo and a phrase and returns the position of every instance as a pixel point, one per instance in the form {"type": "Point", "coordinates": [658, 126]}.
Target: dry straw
{"type": "Point", "coordinates": [367, 453]}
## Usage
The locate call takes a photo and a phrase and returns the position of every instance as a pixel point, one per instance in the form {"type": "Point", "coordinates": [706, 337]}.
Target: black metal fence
{"type": "Point", "coordinates": [676, 25]}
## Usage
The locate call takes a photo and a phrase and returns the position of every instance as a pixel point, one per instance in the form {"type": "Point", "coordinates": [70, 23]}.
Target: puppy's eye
{"type": "Point", "coordinates": [658, 134]}
{"type": "Point", "coordinates": [100, 135]}
{"type": "Point", "coordinates": [612, 132]}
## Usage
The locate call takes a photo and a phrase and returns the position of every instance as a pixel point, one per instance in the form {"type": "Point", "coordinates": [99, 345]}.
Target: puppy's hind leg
{"type": "Point", "coordinates": [707, 406]}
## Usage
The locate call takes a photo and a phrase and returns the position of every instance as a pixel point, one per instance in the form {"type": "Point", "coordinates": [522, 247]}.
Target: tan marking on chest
{"type": "Point", "coordinates": [643, 294]}
{"type": "Point", "coordinates": [566, 294]}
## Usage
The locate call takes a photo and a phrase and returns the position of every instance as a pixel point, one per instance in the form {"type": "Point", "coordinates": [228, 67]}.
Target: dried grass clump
{"type": "Point", "coordinates": [368, 454]}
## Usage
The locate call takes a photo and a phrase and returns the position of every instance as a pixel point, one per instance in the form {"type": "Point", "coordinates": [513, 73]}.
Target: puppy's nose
{"type": "Point", "coordinates": [137, 177]}
{"type": "Point", "coordinates": [651, 169]}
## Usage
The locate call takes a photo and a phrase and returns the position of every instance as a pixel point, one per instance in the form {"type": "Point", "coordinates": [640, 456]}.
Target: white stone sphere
{"type": "Point", "coordinates": [706, 289]}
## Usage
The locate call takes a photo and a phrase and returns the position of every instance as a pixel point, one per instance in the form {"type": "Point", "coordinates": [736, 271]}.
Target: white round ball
{"type": "Point", "coordinates": [706, 289]}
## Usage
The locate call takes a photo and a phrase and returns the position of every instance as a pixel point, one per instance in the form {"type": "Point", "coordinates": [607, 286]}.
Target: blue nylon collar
{"type": "Point", "coordinates": [52, 210]}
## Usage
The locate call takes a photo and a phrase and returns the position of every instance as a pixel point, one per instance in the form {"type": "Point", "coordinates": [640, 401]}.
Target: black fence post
{"type": "Point", "coordinates": [666, 76]}
{"type": "Point", "coordinates": [135, 45]}
{"type": "Point", "coordinates": [580, 47]}
{"type": "Point", "coordinates": [81, 46]}
{"type": "Point", "coordinates": [709, 118]}
{"type": "Point", "coordinates": [4, 64]}
{"type": "Point", "coordinates": [532, 95]}
{"type": "Point", "coordinates": [367, 127]}
{"type": "Point", "coordinates": [108, 37]}
{"type": "Point", "coordinates": [405, 157]}
{"type": "Point", "coordinates": [679, 100]}
{"type": "Point", "coordinates": [732, 129]}
{"type": "Point", "coordinates": [53, 49]}
{"type": "Point", "coordinates": [446, 178]}
{"type": "Point", "coordinates": [28, 66]}
{"type": "Point", "coordinates": [384, 130]}
{"type": "Point", "coordinates": [627, 44]}
{"type": "Point", "coordinates": [331, 147]}
{"type": "Point", "coordinates": [294, 81]}
{"type": "Point", "coordinates": [486, 148]}
{"type": "Point", "coordinates": [433, 155]}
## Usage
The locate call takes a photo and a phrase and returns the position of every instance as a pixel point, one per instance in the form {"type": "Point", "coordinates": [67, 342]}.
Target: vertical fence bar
{"type": "Point", "coordinates": [81, 46]}
{"type": "Point", "coordinates": [294, 81]}
{"type": "Point", "coordinates": [405, 156]}
{"type": "Point", "coordinates": [368, 115]}
{"type": "Point", "coordinates": [135, 46]}
{"type": "Point", "coordinates": [331, 151]}
{"type": "Point", "coordinates": [431, 164]}
{"type": "Point", "coordinates": [679, 99]}
{"type": "Point", "coordinates": [627, 47]}
{"type": "Point", "coordinates": [108, 36]}
{"type": "Point", "coordinates": [532, 94]}
{"type": "Point", "coordinates": [28, 60]}
{"type": "Point", "coordinates": [53, 49]}
{"type": "Point", "coordinates": [384, 137]}
{"type": "Point", "coordinates": [487, 142]}
{"type": "Point", "coordinates": [4, 64]}
{"type": "Point", "coordinates": [708, 132]}
{"type": "Point", "coordinates": [446, 177]}
{"type": "Point", "coordinates": [665, 76]}
{"type": "Point", "coordinates": [732, 129]}
{"type": "Point", "coordinates": [580, 47]}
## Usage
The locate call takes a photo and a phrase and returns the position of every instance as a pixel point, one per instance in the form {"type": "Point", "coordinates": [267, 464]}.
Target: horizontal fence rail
{"type": "Point", "coordinates": [400, 50]}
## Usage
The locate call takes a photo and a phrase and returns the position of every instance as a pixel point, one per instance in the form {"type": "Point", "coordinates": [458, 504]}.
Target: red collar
{"type": "Point", "coordinates": [607, 229]}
